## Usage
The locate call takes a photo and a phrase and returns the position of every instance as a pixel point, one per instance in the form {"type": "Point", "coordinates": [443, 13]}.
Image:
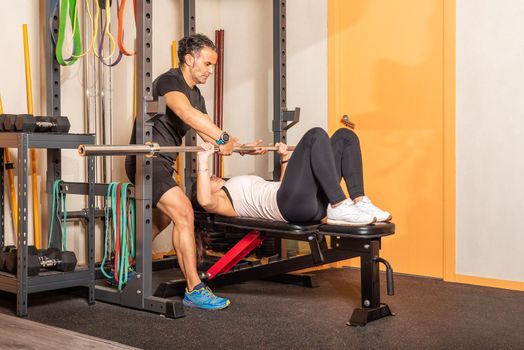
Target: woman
{"type": "Point", "coordinates": [309, 188]}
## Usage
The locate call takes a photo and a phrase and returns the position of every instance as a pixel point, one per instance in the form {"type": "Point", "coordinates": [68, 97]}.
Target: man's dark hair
{"type": "Point", "coordinates": [193, 44]}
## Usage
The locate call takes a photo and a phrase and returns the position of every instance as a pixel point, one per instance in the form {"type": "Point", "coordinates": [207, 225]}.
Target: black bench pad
{"type": "Point", "coordinates": [267, 225]}
{"type": "Point", "coordinates": [246, 223]}
{"type": "Point", "coordinates": [376, 230]}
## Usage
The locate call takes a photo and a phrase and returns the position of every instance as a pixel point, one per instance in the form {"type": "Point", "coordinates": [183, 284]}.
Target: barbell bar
{"type": "Point", "coordinates": [152, 149]}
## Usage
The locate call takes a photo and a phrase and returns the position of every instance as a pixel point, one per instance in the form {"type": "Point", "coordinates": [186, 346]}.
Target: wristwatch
{"type": "Point", "coordinates": [224, 138]}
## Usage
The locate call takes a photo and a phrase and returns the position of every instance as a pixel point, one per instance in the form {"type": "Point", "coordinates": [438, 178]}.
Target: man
{"type": "Point", "coordinates": [186, 110]}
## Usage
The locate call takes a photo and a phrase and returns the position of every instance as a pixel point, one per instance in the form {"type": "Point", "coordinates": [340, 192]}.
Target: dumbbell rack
{"type": "Point", "coordinates": [22, 285]}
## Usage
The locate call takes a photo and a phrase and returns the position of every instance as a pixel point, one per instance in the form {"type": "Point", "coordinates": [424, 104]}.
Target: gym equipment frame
{"type": "Point", "coordinates": [21, 284]}
{"type": "Point", "coordinates": [138, 292]}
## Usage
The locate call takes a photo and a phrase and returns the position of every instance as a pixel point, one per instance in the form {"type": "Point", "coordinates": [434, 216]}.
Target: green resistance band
{"type": "Point", "coordinates": [77, 42]}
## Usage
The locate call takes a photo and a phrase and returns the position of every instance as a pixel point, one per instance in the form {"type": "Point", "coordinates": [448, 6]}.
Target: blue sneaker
{"type": "Point", "coordinates": [204, 298]}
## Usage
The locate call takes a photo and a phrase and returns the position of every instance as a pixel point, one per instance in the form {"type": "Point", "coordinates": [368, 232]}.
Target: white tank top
{"type": "Point", "coordinates": [254, 197]}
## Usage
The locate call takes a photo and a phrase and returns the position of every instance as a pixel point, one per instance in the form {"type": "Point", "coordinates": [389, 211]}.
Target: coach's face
{"type": "Point", "coordinates": [201, 64]}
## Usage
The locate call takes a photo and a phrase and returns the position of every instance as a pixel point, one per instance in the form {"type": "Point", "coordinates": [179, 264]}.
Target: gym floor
{"type": "Point", "coordinates": [430, 314]}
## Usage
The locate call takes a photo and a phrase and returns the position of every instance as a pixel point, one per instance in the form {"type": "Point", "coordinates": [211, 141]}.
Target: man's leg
{"type": "Point", "coordinates": [175, 204]}
{"type": "Point", "coordinates": [171, 204]}
{"type": "Point", "coordinates": [160, 222]}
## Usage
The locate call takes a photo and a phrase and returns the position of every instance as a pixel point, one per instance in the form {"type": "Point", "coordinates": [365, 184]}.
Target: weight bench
{"type": "Point", "coordinates": [346, 242]}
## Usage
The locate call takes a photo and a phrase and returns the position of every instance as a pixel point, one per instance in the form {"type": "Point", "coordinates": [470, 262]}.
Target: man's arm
{"type": "Point", "coordinates": [200, 122]}
{"type": "Point", "coordinates": [206, 138]}
{"type": "Point", "coordinates": [179, 104]}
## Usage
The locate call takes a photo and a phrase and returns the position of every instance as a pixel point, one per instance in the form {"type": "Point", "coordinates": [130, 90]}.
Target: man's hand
{"type": "Point", "coordinates": [257, 151]}
{"type": "Point", "coordinates": [227, 149]}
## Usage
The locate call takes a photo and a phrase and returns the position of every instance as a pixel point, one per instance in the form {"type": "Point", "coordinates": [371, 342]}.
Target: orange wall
{"type": "Point", "coordinates": [386, 72]}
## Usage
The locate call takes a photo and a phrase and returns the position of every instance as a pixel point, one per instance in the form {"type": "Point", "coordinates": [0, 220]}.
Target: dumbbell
{"type": "Point", "coordinates": [50, 252]}
{"type": "Point", "coordinates": [28, 123]}
{"type": "Point", "coordinates": [64, 261]}
{"type": "Point", "coordinates": [8, 122]}
{"type": "Point", "coordinates": [36, 255]}
{"type": "Point", "coordinates": [4, 252]}
{"type": "Point", "coordinates": [2, 120]}
{"type": "Point", "coordinates": [12, 258]}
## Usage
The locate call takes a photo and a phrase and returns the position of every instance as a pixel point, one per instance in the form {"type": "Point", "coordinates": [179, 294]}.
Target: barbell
{"type": "Point", "coordinates": [151, 149]}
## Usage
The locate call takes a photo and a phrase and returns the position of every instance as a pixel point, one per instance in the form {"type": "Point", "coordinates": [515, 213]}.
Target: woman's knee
{"type": "Point", "coordinates": [314, 134]}
{"type": "Point", "coordinates": [346, 135]}
{"type": "Point", "coordinates": [316, 131]}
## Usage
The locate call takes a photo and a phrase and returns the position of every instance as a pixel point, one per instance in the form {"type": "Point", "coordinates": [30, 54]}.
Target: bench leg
{"type": "Point", "coordinates": [363, 316]}
{"type": "Point", "coordinates": [372, 309]}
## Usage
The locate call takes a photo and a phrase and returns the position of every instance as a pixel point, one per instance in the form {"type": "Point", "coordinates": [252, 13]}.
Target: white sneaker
{"type": "Point", "coordinates": [366, 206]}
{"type": "Point", "coordinates": [347, 213]}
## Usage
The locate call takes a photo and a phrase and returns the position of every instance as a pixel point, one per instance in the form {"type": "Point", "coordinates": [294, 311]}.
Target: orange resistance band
{"type": "Point", "coordinates": [121, 28]}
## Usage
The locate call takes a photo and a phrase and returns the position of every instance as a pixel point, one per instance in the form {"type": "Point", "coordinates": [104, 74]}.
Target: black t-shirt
{"type": "Point", "coordinates": [169, 129]}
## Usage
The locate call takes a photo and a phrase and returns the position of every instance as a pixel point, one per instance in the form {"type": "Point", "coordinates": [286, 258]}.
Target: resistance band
{"type": "Point", "coordinates": [94, 28]}
{"type": "Point", "coordinates": [120, 210]}
{"type": "Point", "coordinates": [105, 24]}
{"type": "Point", "coordinates": [121, 27]}
{"type": "Point", "coordinates": [68, 6]}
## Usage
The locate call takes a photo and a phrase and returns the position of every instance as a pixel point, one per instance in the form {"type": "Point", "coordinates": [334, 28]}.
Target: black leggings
{"type": "Point", "coordinates": [314, 171]}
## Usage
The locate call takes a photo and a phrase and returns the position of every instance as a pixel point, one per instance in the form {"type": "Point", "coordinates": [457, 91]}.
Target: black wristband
{"type": "Point", "coordinates": [284, 161]}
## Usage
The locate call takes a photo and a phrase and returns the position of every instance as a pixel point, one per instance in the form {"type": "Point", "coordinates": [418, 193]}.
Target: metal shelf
{"type": "Point", "coordinates": [21, 284]}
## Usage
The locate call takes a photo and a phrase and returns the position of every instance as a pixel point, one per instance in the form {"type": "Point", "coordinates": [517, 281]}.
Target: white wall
{"type": "Point", "coordinates": [12, 78]}
{"type": "Point", "coordinates": [248, 71]}
{"type": "Point", "coordinates": [490, 137]}
{"type": "Point", "coordinates": [247, 82]}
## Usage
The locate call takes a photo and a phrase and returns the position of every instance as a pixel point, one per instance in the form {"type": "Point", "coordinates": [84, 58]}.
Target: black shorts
{"type": "Point", "coordinates": [162, 175]}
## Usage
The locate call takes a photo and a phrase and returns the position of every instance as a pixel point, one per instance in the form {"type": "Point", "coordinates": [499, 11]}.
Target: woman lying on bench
{"type": "Point", "coordinates": [309, 187]}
